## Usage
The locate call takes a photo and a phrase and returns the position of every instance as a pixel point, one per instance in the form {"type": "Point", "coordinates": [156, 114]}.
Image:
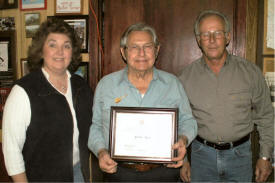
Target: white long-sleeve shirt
{"type": "Point", "coordinates": [16, 119]}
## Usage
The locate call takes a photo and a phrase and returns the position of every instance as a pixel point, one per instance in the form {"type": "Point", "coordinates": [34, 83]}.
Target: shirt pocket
{"type": "Point", "coordinates": [240, 98]}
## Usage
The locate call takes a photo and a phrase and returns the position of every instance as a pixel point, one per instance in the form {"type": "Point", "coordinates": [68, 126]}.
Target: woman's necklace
{"type": "Point", "coordinates": [63, 88]}
{"type": "Point", "coordinates": [60, 85]}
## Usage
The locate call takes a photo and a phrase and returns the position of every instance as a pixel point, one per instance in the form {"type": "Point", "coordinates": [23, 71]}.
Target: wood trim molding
{"type": "Point", "coordinates": [251, 30]}
{"type": "Point", "coordinates": [240, 28]}
{"type": "Point", "coordinates": [94, 49]}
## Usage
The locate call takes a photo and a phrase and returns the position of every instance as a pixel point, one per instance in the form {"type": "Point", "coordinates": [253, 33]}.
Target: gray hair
{"type": "Point", "coordinates": [208, 13]}
{"type": "Point", "coordinates": [138, 27]}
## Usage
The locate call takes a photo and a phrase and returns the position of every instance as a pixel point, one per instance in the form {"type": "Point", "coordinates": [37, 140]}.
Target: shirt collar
{"type": "Point", "coordinates": [227, 60]}
{"type": "Point", "coordinates": [124, 76]}
{"type": "Point", "coordinates": [46, 74]}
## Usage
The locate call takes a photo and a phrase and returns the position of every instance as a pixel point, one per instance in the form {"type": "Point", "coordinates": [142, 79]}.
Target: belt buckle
{"type": "Point", "coordinates": [142, 167]}
{"type": "Point", "coordinates": [223, 145]}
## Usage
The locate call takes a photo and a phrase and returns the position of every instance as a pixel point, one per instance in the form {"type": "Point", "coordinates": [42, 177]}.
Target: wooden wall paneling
{"type": "Point", "coordinates": [174, 24]}
{"type": "Point", "coordinates": [95, 56]}
{"type": "Point", "coordinates": [260, 37]}
{"type": "Point", "coordinates": [251, 30]}
{"type": "Point", "coordinates": [173, 21]}
{"type": "Point", "coordinates": [118, 15]}
{"type": "Point", "coordinates": [239, 28]}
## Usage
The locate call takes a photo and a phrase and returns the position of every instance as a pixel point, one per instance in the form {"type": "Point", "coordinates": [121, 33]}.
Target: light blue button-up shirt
{"type": "Point", "coordinates": [164, 91]}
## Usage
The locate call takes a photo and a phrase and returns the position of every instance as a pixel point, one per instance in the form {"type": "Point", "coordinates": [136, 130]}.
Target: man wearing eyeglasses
{"type": "Point", "coordinates": [140, 84]}
{"type": "Point", "coordinates": [228, 95]}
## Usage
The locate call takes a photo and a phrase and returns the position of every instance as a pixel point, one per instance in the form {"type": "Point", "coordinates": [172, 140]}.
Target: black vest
{"type": "Point", "coordinates": [48, 147]}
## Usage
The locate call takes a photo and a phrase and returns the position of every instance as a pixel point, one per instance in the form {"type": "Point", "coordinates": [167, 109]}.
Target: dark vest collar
{"type": "Point", "coordinates": [47, 89]}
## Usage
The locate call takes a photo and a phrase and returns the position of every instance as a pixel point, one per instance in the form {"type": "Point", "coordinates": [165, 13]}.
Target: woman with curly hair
{"type": "Point", "coordinates": [48, 113]}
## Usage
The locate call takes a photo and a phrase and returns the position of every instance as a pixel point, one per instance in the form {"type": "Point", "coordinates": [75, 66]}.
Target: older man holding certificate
{"type": "Point", "coordinates": [138, 108]}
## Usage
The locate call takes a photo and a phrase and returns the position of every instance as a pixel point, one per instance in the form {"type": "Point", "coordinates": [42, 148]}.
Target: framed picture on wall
{"type": "Point", "coordinates": [7, 23]}
{"type": "Point", "coordinates": [33, 5]}
{"type": "Point", "coordinates": [7, 58]}
{"type": "Point", "coordinates": [10, 4]}
{"type": "Point", "coordinates": [7, 50]}
{"type": "Point", "coordinates": [268, 42]}
{"type": "Point", "coordinates": [83, 70]}
{"type": "Point", "coordinates": [24, 67]}
{"type": "Point", "coordinates": [4, 55]}
{"type": "Point", "coordinates": [65, 7]}
{"type": "Point", "coordinates": [32, 23]}
{"type": "Point", "coordinates": [80, 25]}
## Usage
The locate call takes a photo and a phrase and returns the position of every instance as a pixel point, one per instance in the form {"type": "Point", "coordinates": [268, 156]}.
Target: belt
{"type": "Point", "coordinates": [139, 167]}
{"type": "Point", "coordinates": [222, 145]}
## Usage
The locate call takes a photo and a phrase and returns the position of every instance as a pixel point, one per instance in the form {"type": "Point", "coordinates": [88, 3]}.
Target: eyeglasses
{"type": "Point", "coordinates": [135, 49]}
{"type": "Point", "coordinates": [216, 34]}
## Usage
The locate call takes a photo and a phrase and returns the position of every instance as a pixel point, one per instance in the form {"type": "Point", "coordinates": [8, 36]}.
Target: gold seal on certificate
{"type": "Point", "coordinates": [143, 134]}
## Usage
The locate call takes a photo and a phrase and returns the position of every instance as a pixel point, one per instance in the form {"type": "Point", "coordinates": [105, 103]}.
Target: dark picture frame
{"type": "Point", "coordinates": [8, 37]}
{"type": "Point", "coordinates": [4, 4]}
{"type": "Point", "coordinates": [142, 134]}
{"type": "Point", "coordinates": [83, 70]}
{"type": "Point", "coordinates": [80, 23]}
{"type": "Point", "coordinates": [26, 5]}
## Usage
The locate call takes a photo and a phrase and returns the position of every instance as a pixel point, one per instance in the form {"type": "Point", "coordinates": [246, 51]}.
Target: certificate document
{"type": "Point", "coordinates": [143, 134]}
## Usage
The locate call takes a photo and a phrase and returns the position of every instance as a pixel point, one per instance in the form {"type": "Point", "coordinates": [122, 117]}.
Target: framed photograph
{"type": "Point", "coordinates": [4, 55]}
{"type": "Point", "coordinates": [83, 70]}
{"type": "Point", "coordinates": [32, 23]}
{"type": "Point", "coordinates": [7, 58]}
{"type": "Point", "coordinates": [7, 23]}
{"type": "Point", "coordinates": [80, 25]}
{"type": "Point", "coordinates": [26, 5]}
{"type": "Point", "coordinates": [7, 50]}
{"type": "Point", "coordinates": [8, 4]}
{"type": "Point", "coordinates": [143, 134]}
{"type": "Point", "coordinates": [65, 7]}
{"type": "Point", "coordinates": [269, 36]}
{"type": "Point", "coordinates": [24, 67]}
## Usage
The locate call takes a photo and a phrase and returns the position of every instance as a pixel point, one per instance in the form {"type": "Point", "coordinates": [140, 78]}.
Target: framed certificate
{"type": "Point", "coordinates": [63, 7]}
{"type": "Point", "coordinates": [143, 134]}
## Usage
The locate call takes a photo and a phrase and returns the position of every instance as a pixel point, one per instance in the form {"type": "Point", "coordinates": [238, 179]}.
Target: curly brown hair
{"type": "Point", "coordinates": [53, 25]}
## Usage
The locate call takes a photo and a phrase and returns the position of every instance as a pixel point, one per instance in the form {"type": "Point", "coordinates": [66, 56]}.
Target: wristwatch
{"type": "Point", "coordinates": [265, 158]}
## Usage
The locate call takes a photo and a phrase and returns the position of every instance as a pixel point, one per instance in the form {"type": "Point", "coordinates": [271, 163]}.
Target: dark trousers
{"type": "Point", "coordinates": [159, 174]}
